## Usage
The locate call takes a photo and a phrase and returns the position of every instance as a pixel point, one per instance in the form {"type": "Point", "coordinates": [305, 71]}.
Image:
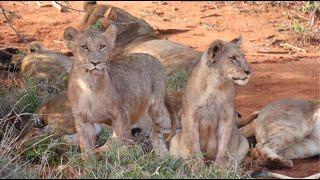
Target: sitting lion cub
{"type": "Point", "coordinates": [207, 116]}
{"type": "Point", "coordinates": [120, 90]}
{"type": "Point", "coordinates": [285, 129]}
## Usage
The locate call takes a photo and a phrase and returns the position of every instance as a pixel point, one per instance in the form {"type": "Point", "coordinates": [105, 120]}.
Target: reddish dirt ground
{"type": "Point", "coordinates": [196, 24]}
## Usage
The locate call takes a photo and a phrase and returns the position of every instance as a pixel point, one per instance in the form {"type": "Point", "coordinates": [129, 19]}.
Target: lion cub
{"type": "Point", "coordinates": [285, 129]}
{"type": "Point", "coordinates": [121, 91]}
{"type": "Point", "coordinates": [207, 116]}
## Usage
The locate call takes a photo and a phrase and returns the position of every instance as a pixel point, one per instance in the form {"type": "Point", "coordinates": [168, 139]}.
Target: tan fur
{"type": "Point", "coordinates": [286, 129]}
{"type": "Point", "coordinates": [207, 117]}
{"type": "Point", "coordinates": [45, 64]}
{"type": "Point", "coordinates": [244, 121]}
{"type": "Point", "coordinates": [55, 116]}
{"type": "Point", "coordinates": [137, 36]}
{"type": "Point", "coordinates": [173, 56]}
{"type": "Point", "coordinates": [120, 90]}
{"type": "Point", "coordinates": [130, 28]}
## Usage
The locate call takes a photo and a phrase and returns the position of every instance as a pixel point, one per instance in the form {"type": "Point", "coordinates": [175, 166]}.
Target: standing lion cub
{"type": "Point", "coordinates": [208, 123]}
{"type": "Point", "coordinates": [104, 88]}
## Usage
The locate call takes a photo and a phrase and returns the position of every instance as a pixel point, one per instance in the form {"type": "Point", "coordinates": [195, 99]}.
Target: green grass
{"type": "Point", "coordinates": [98, 25]}
{"type": "Point", "coordinates": [177, 81]}
{"type": "Point", "coordinates": [120, 162]}
{"type": "Point", "coordinates": [28, 98]}
{"type": "Point", "coordinates": [311, 6]}
{"type": "Point", "coordinates": [46, 148]}
{"type": "Point", "coordinates": [298, 27]}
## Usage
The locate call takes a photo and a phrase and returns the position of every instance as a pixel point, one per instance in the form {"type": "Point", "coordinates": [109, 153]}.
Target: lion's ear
{"type": "Point", "coordinates": [237, 41]}
{"type": "Point", "coordinates": [69, 36]}
{"type": "Point", "coordinates": [36, 47]}
{"type": "Point", "coordinates": [215, 47]}
{"type": "Point", "coordinates": [111, 34]}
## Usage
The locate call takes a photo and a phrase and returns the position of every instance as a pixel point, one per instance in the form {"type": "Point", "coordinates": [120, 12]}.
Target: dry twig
{"type": "Point", "coordinates": [293, 47]}
{"type": "Point", "coordinates": [123, 23]}
{"type": "Point", "coordinates": [24, 39]}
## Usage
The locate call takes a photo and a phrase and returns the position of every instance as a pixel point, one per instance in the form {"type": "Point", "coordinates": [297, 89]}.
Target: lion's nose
{"type": "Point", "coordinates": [247, 72]}
{"type": "Point", "coordinates": [95, 63]}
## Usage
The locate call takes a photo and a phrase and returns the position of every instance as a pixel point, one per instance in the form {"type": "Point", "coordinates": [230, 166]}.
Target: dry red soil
{"type": "Point", "coordinates": [196, 24]}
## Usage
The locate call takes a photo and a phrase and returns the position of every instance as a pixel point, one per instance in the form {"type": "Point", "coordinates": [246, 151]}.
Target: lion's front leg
{"type": "Point", "coordinates": [193, 144]}
{"type": "Point", "coordinates": [121, 129]}
{"type": "Point", "coordinates": [225, 129]}
{"type": "Point", "coordinates": [121, 126]}
{"type": "Point", "coordinates": [86, 132]}
{"type": "Point", "coordinates": [191, 140]}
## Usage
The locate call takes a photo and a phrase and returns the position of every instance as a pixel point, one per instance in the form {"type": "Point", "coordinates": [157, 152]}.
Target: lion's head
{"type": "Point", "coordinates": [91, 47]}
{"type": "Point", "coordinates": [228, 58]}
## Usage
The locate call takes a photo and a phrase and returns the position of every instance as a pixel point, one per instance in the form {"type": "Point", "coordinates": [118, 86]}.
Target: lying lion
{"type": "Point", "coordinates": [137, 36]}
{"type": "Point", "coordinates": [55, 117]}
{"type": "Point", "coordinates": [209, 128]}
{"type": "Point", "coordinates": [284, 130]}
{"type": "Point", "coordinates": [45, 64]}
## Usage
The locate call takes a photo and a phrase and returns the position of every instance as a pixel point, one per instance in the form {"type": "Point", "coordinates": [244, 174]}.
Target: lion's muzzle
{"type": "Point", "coordinates": [94, 66]}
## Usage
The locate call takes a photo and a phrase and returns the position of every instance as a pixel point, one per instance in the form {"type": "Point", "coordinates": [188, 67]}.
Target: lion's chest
{"type": "Point", "coordinates": [210, 114]}
{"type": "Point", "coordinates": [90, 102]}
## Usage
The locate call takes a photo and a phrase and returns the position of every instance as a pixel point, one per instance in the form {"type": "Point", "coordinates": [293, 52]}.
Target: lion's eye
{"type": "Point", "coordinates": [102, 46]}
{"type": "Point", "coordinates": [85, 48]}
{"type": "Point", "coordinates": [233, 58]}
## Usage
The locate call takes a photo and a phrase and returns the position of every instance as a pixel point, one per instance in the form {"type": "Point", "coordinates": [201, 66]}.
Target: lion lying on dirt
{"type": "Point", "coordinates": [285, 129]}
{"type": "Point", "coordinates": [134, 36]}
{"type": "Point", "coordinates": [117, 89]}
{"type": "Point", "coordinates": [55, 117]}
{"type": "Point", "coordinates": [45, 64]}
{"type": "Point", "coordinates": [137, 36]}
{"type": "Point", "coordinates": [207, 116]}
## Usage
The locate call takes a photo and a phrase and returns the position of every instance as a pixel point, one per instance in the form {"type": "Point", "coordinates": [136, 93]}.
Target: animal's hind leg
{"type": "Point", "coordinates": [268, 152]}
{"type": "Point", "coordinates": [242, 149]}
{"type": "Point", "coordinates": [157, 138]}
{"type": "Point", "coordinates": [308, 147]}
